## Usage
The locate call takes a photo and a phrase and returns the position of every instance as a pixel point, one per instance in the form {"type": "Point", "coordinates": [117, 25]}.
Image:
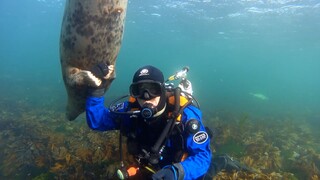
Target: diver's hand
{"type": "Point", "coordinates": [100, 70]}
{"type": "Point", "coordinates": [166, 174]}
{"type": "Point", "coordinates": [98, 75]}
{"type": "Point", "coordinates": [97, 78]}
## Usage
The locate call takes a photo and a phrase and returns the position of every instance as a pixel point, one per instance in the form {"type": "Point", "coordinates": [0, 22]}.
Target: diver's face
{"type": "Point", "coordinates": [154, 101]}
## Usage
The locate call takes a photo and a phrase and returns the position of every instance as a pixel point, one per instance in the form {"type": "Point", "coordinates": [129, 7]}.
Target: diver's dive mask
{"type": "Point", "coordinates": [146, 90]}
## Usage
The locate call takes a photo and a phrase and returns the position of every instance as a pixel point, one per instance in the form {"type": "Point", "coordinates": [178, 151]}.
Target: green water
{"type": "Point", "coordinates": [237, 51]}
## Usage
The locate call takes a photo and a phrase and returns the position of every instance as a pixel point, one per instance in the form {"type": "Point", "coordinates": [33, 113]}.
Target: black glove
{"type": "Point", "coordinates": [100, 71]}
{"type": "Point", "coordinates": [166, 174]}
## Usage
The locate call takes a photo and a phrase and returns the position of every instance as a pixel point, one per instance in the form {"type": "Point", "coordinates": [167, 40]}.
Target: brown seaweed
{"type": "Point", "coordinates": [40, 144]}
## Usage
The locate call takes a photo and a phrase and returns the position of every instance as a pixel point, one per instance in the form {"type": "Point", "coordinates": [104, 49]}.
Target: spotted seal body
{"type": "Point", "coordinates": [91, 33]}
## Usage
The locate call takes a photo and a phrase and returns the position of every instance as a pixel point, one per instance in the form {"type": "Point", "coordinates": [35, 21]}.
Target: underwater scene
{"type": "Point", "coordinates": [254, 68]}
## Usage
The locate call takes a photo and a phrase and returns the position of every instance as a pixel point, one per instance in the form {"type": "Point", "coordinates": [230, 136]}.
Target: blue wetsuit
{"type": "Point", "coordinates": [197, 144]}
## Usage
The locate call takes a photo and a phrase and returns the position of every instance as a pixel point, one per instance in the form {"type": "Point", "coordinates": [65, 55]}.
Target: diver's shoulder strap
{"type": "Point", "coordinates": [177, 103]}
{"type": "Point", "coordinates": [182, 100]}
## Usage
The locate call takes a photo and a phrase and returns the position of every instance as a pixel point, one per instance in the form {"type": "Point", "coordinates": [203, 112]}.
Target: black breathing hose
{"type": "Point", "coordinates": [169, 126]}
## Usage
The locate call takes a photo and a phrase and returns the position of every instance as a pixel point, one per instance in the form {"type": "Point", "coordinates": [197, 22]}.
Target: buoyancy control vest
{"type": "Point", "coordinates": [163, 138]}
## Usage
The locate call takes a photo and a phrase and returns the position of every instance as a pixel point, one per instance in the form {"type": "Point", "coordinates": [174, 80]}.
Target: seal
{"type": "Point", "coordinates": [91, 33]}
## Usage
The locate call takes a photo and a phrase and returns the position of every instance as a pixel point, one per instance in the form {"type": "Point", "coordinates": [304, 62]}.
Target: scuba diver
{"type": "Point", "coordinates": [162, 124]}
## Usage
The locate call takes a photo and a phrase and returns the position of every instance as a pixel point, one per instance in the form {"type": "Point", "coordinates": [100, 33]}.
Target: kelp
{"type": "Point", "coordinates": [41, 144]}
{"type": "Point", "coordinates": [37, 143]}
{"type": "Point", "coordinates": [275, 147]}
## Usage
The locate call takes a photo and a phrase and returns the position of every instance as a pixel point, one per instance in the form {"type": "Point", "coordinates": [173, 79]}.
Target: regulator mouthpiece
{"type": "Point", "coordinates": [148, 110]}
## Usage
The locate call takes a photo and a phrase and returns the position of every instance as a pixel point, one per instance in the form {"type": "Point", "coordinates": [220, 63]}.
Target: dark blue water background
{"type": "Point", "coordinates": [234, 49]}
